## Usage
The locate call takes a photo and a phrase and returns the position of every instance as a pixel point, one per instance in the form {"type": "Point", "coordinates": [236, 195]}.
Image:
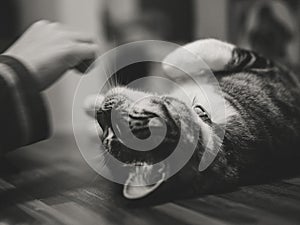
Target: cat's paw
{"type": "Point", "coordinates": [200, 55]}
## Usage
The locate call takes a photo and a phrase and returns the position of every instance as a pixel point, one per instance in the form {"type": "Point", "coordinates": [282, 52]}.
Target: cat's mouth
{"type": "Point", "coordinates": [147, 169]}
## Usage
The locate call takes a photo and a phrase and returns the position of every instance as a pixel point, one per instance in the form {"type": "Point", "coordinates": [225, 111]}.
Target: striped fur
{"type": "Point", "coordinates": [262, 124]}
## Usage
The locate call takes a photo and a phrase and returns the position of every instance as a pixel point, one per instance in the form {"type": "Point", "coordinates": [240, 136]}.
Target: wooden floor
{"type": "Point", "coordinates": [50, 183]}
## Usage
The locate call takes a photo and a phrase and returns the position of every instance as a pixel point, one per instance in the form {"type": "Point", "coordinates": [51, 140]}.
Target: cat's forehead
{"type": "Point", "coordinates": [130, 95]}
{"type": "Point", "coordinates": [138, 102]}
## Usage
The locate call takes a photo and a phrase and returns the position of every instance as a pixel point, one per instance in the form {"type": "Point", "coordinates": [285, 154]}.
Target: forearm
{"type": "Point", "coordinates": [23, 114]}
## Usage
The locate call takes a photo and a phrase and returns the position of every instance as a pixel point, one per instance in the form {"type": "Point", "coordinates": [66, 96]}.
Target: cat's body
{"type": "Point", "coordinates": [262, 123]}
{"type": "Point", "coordinates": [265, 131]}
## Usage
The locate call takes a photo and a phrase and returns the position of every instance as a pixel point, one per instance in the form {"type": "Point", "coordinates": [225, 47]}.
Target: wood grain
{"type": "Point", "coordinates": [50, 183]}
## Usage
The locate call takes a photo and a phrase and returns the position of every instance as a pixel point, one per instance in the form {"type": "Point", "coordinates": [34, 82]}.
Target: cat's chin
{"type": "Point", "coordinates": [140, 182]}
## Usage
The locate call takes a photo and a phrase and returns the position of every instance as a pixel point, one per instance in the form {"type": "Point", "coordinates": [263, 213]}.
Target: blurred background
{"type": "Point", "coordinates": [270, 27]}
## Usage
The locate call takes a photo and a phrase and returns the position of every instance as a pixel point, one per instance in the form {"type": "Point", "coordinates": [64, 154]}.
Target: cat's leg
{"type": "Point", "coordinates": [197, 56]}
{"type": "Point", "coordinates": [214, 55]}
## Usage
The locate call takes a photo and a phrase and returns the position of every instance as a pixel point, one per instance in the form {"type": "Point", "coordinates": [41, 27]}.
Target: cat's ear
{"type": "Point", "coordinates": [197, 56]}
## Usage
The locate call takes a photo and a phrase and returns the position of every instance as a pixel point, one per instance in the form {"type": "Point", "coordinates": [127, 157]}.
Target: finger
{"type": "Point", "coordinates": [40, 23]}
{"type": "Point", "coordinates": [84, 66]}
{"type": "Point", "coordinates": [71, 33]}
{"type": "Point", "coordinates": [81, 37]}
{"type": "Point", "coordinates": [83, 51]}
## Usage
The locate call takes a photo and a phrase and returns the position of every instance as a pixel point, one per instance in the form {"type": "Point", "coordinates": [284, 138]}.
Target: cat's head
{"type": "Point", "coordinates": [148, 115]}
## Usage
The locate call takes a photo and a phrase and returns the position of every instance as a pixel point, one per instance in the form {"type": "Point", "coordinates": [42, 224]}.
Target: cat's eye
{"type": "Point", "coordinates": [201, 112]}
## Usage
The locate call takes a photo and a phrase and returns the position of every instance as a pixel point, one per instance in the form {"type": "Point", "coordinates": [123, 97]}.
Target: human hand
{"type": "Point", "coordinates": [48, 50]}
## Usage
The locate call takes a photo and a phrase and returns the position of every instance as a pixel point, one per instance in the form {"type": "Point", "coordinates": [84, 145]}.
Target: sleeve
{"type": "Point", "coordinates": [23, 113]}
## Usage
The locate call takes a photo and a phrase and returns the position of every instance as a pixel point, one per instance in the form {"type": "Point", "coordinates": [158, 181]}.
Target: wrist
{"type": "Point", "coordinates": [21, 69]}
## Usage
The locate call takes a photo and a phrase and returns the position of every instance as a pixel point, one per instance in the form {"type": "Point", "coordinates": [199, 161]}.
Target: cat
{"type": "Point", "coordinates": [262, 125]}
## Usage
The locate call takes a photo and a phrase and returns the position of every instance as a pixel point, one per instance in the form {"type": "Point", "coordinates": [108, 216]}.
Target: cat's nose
{"type": "Point", "coordinates": [104, 118]}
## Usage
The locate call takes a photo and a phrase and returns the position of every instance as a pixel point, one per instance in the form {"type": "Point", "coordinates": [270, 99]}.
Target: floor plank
{"type": "Point", "coordinates": [36, 209]}
{"type": "Point", "coordinates": [50, 183]}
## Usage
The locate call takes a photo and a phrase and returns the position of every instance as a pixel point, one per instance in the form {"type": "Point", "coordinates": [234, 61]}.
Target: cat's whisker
{"type": "Point", "coordinates": [106, 76]}
{"type": "Point", "coordinates": [94, 179]}
{"type": "Point", "coordinates": [103, 153]}
{"type": "Point", "coordinates": [109, 77]}
{"type": "Point", "coordinates": [105, 163]}
{"type": "Point", "coordinates": [115, 76]}
{"type": "Point", "coordinates": [103, 160]}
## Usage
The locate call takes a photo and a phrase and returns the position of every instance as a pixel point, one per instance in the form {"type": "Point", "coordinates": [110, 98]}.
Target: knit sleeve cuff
{"type": "Point", "coordinates": [31, 111]}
